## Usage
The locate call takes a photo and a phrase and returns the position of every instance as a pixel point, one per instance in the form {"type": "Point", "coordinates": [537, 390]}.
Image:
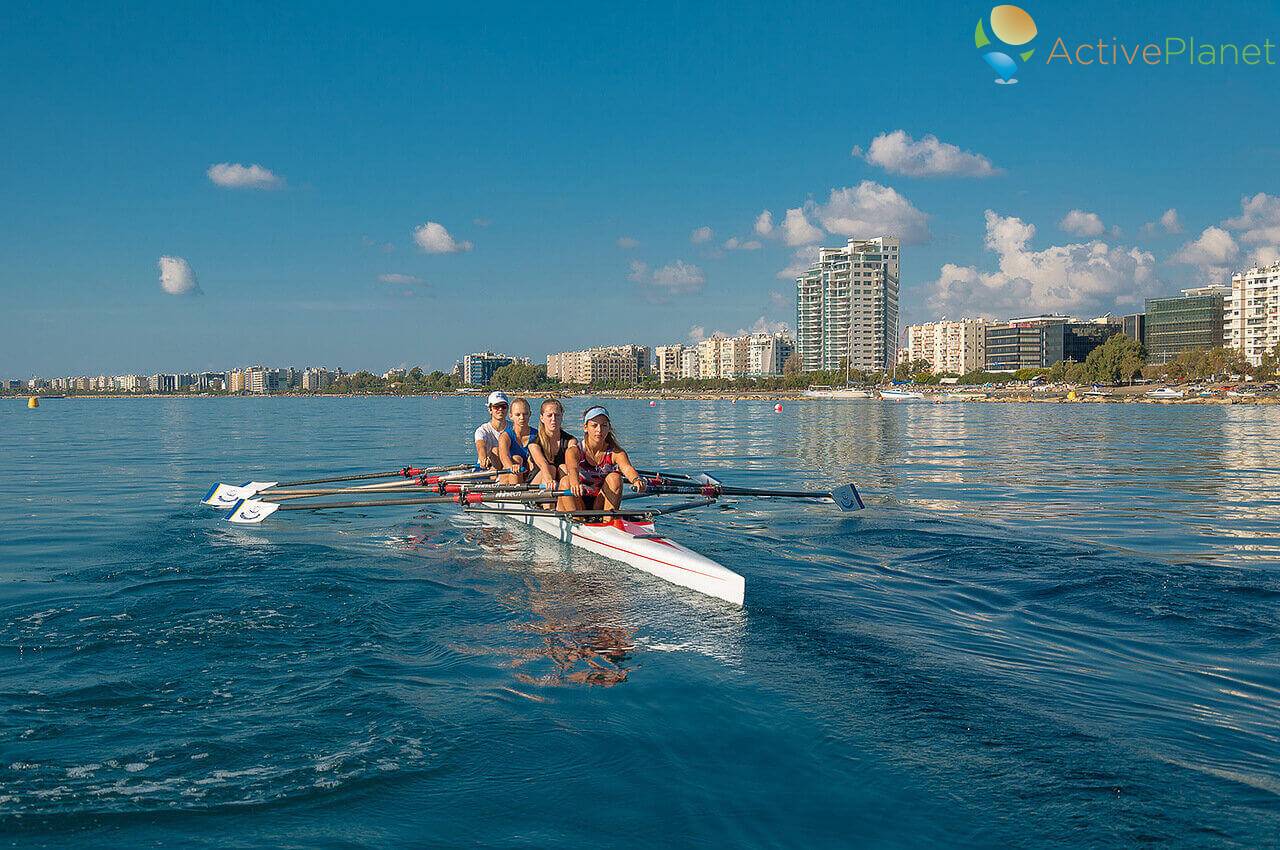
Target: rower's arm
{"type": "Point", "coordinates": [504, 451]}
{"type": "Point", "coordinates": [482, 455]}
{"type": "Point", "coordinates": [635, 479]}
{"type": "Point", "coordinates": [540, 460]}
{"type": "Point", "coordinates": [571, 459]}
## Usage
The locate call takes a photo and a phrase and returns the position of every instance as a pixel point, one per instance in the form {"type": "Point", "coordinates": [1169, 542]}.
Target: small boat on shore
{"type": "Point", "coordinates": [900, 395]}
{"type": "Point", "coordinates": [1165, 393]}
{"type": "Point", "coordinates": [830, 392]}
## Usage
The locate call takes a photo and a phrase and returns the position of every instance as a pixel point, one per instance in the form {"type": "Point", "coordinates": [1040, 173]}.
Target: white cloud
{"type": "Point", "coordinates": [764, 326]}
{"type": "Point", "coordinates": [1267, 255]}
{"type": "Point", "coordinates": [1259, 220]}
{"type": "Point", "coordinates": [177, 277]}
{"type": "Point", "coordinates": [481, 222]}
{"type": "Point", "coordinates": [233, 175]}
{"type": "Point", "coordinates": [1081, 223]}
{"type": "Point", "coordinates": [626, 243]}
{"type": "Point", "coordinates": [697, 334]}
{"type": "Point", "coordinates": [733, 243]}
{"type": "Point", "coordinates": [870, 210]}
{"type": "Point", "coordinates": [679, 278]}
{"type": "Point", "coordinates": [639, 271]}
{"type": "Point", "coordinates": [1170, 222]}
{"type": "Point", "coordinates": [1214, 252]}
{"type": "Point", "coordinates": [898, 153]}
{"type": "Point", "coordinates": [384, 247]}
{"type": "Point", "coordinates": [435, 239]}
{"type": "Point", "coordinates": [798, 230]}
{"type": "Point", "coordinates": [800, 262]}
{"type": "Point", "coordinates": [779, 301]}
{"type": "Point", "coordinates": [398, 278]}
{"type": "Point", "coordinates": [1086, 277]}
{"type": "Point", "coordinates": [764, 223]}
{"type": "Point", "coordinates": [701, 234]}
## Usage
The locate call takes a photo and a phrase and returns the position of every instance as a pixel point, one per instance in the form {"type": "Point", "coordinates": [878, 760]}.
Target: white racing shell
{"type": "Point", "coordinates": [636, 544]}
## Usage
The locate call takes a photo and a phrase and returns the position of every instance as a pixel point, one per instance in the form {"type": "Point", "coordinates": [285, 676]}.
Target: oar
{"type": "Point", "coordinates": [223, 495]}
{"type": "Point", "coordinates": [252, 511]}
{"type": "Point", "coordinates": [649, 512]}
{"type": "Point", "coordinates": [277, 495]}
{"type": "Point", "coordinates": [845, 496]}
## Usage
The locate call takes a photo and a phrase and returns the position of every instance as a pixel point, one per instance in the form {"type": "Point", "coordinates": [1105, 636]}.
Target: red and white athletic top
{"type": "Point", "coordinates": [594, 468]}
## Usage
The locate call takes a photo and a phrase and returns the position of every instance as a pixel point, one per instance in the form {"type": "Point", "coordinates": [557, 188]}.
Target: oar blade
{"type": "Point", "coordinates": [847, 498]}
{"type": "Point", "coordinates": [225, 495]}
{"type": "Point", "coordinates": [251, 511]}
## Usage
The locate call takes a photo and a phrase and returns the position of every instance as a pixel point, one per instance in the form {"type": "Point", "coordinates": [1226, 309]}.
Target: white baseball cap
{"type": "Point", "coordinates": [498, 397]}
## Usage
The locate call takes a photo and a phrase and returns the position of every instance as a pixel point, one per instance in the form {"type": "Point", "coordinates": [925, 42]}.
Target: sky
{"type": "Point", "coordinates": [205, 187]}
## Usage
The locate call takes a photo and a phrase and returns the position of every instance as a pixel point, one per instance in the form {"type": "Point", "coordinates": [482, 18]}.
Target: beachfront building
{"type": "Point", "coordinates": [1185, 322]}
{"type": "Point", "coordinates": [316, 379]}
{"type": "Point", "coordinates": [478, 368]}
{"type": "Point", "coordinates": [956, 347]}
{"type": "Point", "coordinates": [626, 363]}
{"type": "Point", "coordinates": [847, 306]}
{"type": "Point", "coordinates": [768, 353]}
{"type": "Point", "coordinates": [1134, 326]}
{"type": "Point", "coordinates": [1251, 312]}
{"type": "Point", "coordinates": [689, 364]}
{"type": "Point", "coordinates": [1037, 342]}
{"type": "Point", "coordinates": [667, 362]}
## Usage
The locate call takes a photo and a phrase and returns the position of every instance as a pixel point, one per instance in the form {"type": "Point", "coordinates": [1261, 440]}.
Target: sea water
{"type": "Point", "coordinates": [1052, 625]}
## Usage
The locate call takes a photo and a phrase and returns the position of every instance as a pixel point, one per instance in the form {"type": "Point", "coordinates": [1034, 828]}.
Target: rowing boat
{"type": "Point", "coordinates": [626, 535]}
{"type": "Point", "coordinates": [635, 542]}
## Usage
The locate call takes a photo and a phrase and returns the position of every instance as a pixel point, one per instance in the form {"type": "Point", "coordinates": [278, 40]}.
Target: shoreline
{"type": "Point", "coordinates": [1118, 395]}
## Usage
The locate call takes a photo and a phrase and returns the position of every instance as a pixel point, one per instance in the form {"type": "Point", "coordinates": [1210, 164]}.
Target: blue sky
{"type": "Point", "coordinates": [542, 137]}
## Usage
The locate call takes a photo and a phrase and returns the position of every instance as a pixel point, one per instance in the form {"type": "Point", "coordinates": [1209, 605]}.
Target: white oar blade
{"type": "Point", "coordinates": [251, 511]}
{"type": "Point", "coordinates": [706, 480]}
{"type": "Point", "coordinates": [847, 498]}
{"type": "Point", "coordinates": [225, 495]}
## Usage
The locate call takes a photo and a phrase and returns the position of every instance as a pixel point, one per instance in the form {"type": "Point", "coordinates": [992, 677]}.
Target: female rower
{"type": "Point", "coordinates": [488, 434]}
{"type": "Point", "coordinates": [549, 452]}
{"type": "Point", "coordinates": [513, 443]}
{"type": "Point", "coordinates": [601, 463]}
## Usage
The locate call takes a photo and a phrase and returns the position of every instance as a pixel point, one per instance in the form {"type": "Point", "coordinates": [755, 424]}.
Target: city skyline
{"type": "Point", "coordinates": [406, 213]}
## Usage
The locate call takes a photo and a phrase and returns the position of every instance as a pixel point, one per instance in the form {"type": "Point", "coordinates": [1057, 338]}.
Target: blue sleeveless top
{"type": "Point", "coordinates": [517, 449]}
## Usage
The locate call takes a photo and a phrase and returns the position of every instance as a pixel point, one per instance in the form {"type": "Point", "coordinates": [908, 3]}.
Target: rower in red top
{"type": "Point", "coordinates": [599, 462]}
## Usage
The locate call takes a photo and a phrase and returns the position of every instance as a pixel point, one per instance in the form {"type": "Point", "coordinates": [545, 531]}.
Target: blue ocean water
{"type": "Point", "coordinates": [1054, 625]}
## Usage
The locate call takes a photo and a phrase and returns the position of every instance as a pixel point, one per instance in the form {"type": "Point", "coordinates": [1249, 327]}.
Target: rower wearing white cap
{"type": "Point", "coordinates": [489, 435]}
{"type": "Point", "coordinates": [599, 461]}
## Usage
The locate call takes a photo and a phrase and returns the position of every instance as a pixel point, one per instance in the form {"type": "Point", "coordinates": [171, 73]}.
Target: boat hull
{"type": "Point", "coordinates": [636, 544]}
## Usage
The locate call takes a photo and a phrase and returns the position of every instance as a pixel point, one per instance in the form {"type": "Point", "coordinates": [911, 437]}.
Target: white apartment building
{"type": "Point", "coordinates": [689, 364]}
{"type": "Point", "coordinates": [1251, 313]}
{"type": "Point", "coordinates": [668, 362]}
{"type": "Point", "coordinates": [956, 347]}
{"type": "Point", "coordinates": [768, 353]}
{"type": "Point", "coordinates": [847, 306]}
{"type": "Point", "coordinates": [592, 365]}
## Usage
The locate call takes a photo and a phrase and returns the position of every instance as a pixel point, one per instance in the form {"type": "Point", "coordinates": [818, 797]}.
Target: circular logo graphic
{"type": "Point", "coordinates": [1010, 27]}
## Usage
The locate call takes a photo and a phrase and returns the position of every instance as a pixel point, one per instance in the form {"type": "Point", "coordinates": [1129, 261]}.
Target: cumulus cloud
{"type": "Point", "coordinates": [898, 153]}
{"type": "Point", "coordinates": [800, 262]}
{"type": "Point", "coordinates": [398, 278]}
{"type": "Point", "coordinates": [1081, 223]}
{"type": "Point", "coordinates": [798, 230]}
{"type": "Point", "coordinates": [1170, 222]}
{"type": "Point", "coordinates": [1214, 252]}
{"type": "Point", "coordinates": [764, 326]}
{"type": "Point", "coordinates": [733, 243]}
{"type": "Point", "coordinates": [639, 271]}
{"type": "Point", "coordinates": [1259, 220]}
{"type": "Point", "coordinates": [626, 243]}
{"type": "Point", "coordinates": [697, 334]}
{"type": "Point", "coordinates": [1087, 277]}
{"type": "Point", "coordinates": [177, 277]}
{"type": "Point", "coordinates": [764, 223]}
{"type": "Point", "coordinates": [233, 175]}
{"type": "Point", "coordinates": [868, 210]}
{"type": "Point", "coordinates": [701, 234]}
{"type": "Point", "coordinates": [435, 239]}
{"type": "Point", "coordinates": [679, 278]}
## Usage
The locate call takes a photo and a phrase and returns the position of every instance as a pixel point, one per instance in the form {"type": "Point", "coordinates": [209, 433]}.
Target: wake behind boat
{"type": "Point", "coordinates": [627, 535]}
